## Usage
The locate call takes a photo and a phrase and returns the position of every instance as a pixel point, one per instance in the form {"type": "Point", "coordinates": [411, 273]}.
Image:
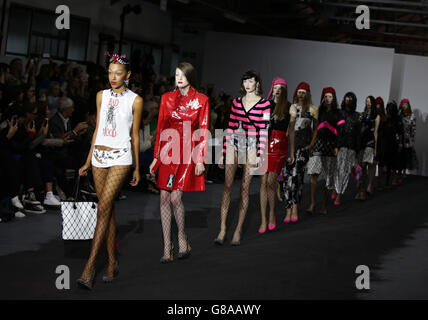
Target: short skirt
{"type": "Point", "coordinates": [110, 158]}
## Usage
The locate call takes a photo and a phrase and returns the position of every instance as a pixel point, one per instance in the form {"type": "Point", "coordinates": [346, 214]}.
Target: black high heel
{"type": "Point", "coordinates": [88, 285]}
{"type": "Point", "coordinates": [171, 255]}
{"type": "Point", "coordinates": [185, 254]}
{"type": "Point", "coordinates": [218, 241]}
{"type": "Point", "coordinates": [115, 273]}
{"type": "Point", "coordinates": [236, 243]}
{"type": "Point", "coordinates": [310, 211]}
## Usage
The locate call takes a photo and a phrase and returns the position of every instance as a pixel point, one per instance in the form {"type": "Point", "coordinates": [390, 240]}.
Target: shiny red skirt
{"type": "Point", "coordinates": [180, 177]}
{"type": "Point", "coordinates": [277, 150]}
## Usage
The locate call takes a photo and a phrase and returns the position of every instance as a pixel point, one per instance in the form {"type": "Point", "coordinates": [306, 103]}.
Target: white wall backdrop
{"type": "Point", "coordinates": [364, 70]}
{"type": "Point", "coordinates": [361, 69]}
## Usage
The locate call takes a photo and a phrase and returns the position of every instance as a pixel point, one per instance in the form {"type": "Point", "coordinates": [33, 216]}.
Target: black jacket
{"type": "Point", "coordinates": [350, 131]}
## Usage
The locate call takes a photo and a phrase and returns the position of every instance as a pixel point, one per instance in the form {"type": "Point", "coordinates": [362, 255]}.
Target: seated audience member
{"type": "Point", "coordinates": [20, 160]}
{"type": "Point", "coordinates": [66, 154]}
{"type": "Point", "coordinates": [53, 96]}
{"type": "Point", "coordinates": [39, 112]}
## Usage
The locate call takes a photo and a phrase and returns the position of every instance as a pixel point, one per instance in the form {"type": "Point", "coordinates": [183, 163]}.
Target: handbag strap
{"type": "Point", "coordinates": [76, 189]}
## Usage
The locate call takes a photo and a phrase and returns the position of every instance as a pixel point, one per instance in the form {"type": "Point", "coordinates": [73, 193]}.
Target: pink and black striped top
{"type": "Point", "coordinates": [255, 122]}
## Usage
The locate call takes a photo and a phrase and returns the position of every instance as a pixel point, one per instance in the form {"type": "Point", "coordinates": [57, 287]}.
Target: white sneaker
{"type": "Point", "coordinates": [19, 214]}
{"type": "Point", "coordinates": [51, 200]}
{"type": "Point", "coordinates": [17, 203]}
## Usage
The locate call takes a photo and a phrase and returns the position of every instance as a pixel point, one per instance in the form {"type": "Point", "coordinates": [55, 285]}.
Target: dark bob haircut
{"type": "Point", "coordinates": [248, 75]}
{"type": "Point", "coordinates": [189, 72]}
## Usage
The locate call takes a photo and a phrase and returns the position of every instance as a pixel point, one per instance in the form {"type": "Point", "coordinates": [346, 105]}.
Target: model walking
{"type": "Point", "coordinates": [381, 139]}
{"type": "Point", "coordinates": [393, 143]}
{"type": "Point", "coordinates": [325, 146]}
{"type": "Point", "coordinates": [367, 146]}
{"type": "Point", "coordinates": [306, 115]}
{"type": "Point", "coordinates": [183, 115]}
{"type": "Point", "coordinates": [114, 143]}
{"type": "Point", "coordinates": [281, 125]}
{"type": "Point", "coordinates": [246, 139]}
{"type": "Point", "coordinates": [408, 154]}
{"type": "Point", "coordinates": [348, 144]}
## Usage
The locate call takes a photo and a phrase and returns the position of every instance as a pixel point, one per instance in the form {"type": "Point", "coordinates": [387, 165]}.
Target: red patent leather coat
{"type": "Point", "coordinates": [182, 147]}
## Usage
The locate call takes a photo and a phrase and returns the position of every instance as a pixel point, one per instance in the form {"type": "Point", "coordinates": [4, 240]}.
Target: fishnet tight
{"type": "Point", "coordinates": [230, 170]}
{"type": "Point", "coordinates": [167, 199]}
{"type": "Point", "coordinates": [108, 182]}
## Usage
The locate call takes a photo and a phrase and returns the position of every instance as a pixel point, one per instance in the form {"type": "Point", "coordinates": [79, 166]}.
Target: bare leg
{"type": "Point", "coordinates": [294, 212]}
{"type": "Point", "coordinates": [271, 183]}
{"type": "Point", "coordinates": [313, 183]}
{"type": "Point", "coordinates": [263, 200]}
{"type": "Point", "coordinates": [49, 187]}
{"type": "Point", "coordinates": [371, 175]}
{"type": "Point", "coordinates": [325, 200]}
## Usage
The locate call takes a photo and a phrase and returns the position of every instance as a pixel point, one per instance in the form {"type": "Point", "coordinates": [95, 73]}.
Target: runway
{"type": "Point", "coordinates": [313, 259]}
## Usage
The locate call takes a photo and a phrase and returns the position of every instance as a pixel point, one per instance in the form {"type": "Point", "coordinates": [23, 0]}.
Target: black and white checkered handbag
{"type": "Point", "coordinates": [79, 218]}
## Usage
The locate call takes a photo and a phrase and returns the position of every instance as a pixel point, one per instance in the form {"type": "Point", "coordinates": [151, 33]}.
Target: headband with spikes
{"type": "Point", "coordinates": [116, 58]}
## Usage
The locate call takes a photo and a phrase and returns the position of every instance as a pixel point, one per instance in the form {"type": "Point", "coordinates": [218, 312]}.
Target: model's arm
{"type": "Point", "coordinates": [203, 131]}
{"type": "Point", "coordinates": [137, 111]}
{"type": "Point", "coordinates": [412, 131]}
{"type": "Point", "coordinates": [358, 138]}
{"type": "Point", "coordinates": [83, 171]}
{"type": "Point", "coordinates": [377, 122]}
{"type": "Point", "coordinates": [291, 133]}
{"type": "Point", "coordinates": [162, 121]}
{"type": "Point", "coordinates": [226, 138]}
{"type": "Point", "coordinates": [340, 133]}
{"type": "Point", "coordinates": [264, 132]}
{"type": "Point", "coordinates": [203, 137]}
{"type": "Point", "coordinates": [315, 128]}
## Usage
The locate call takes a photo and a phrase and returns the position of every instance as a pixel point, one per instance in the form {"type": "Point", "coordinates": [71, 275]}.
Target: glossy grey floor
{"type": "Point", "coordinates": [313, 259]}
